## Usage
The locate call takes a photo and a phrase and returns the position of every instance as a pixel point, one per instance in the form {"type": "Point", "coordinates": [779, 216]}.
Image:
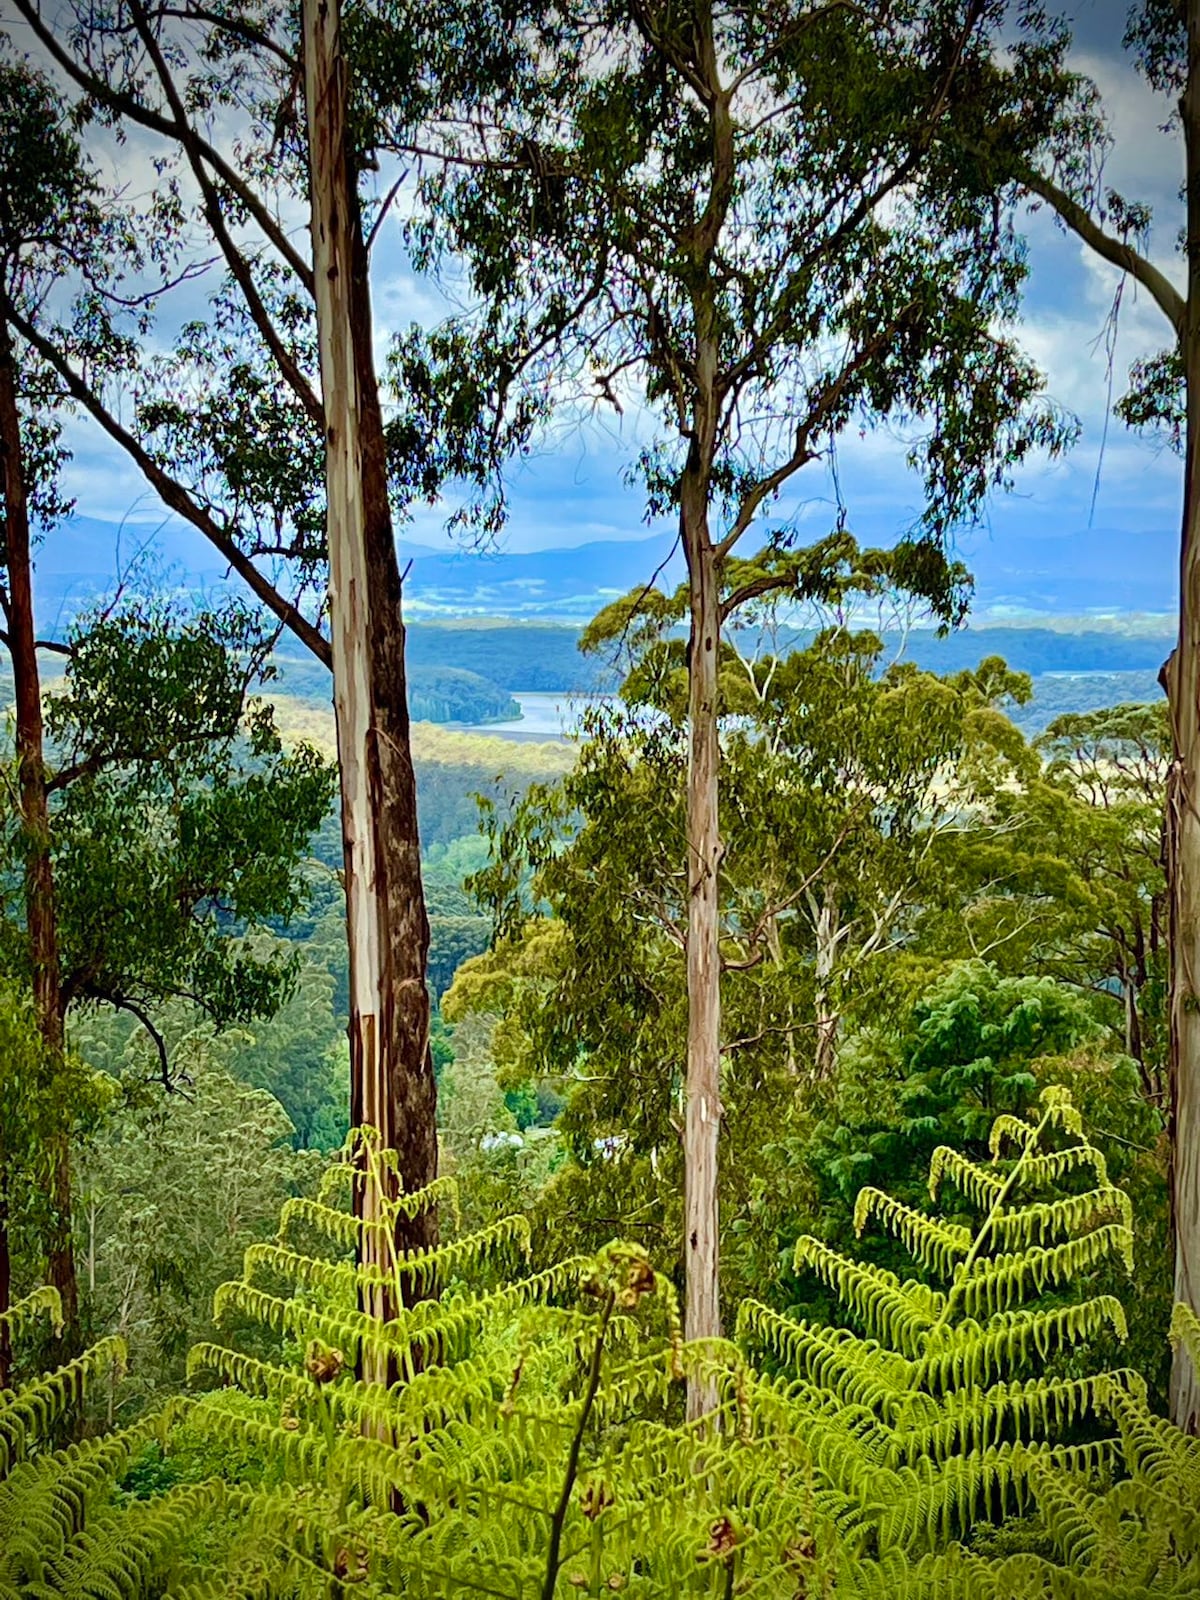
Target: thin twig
{"type": "Point", "coordinates": [553, 1557]}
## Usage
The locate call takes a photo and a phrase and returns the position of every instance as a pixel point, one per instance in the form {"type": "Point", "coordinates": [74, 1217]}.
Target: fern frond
{"type": "Point", "coordinates": [343, 1281]}
{"type": "Point", "coordinates": [900, 1313]}
{"type": "Point", "coordinates": [859, 1371]}
{"type": "Point", "coordinates": [835, 1462]}
{"type": "Point", "coordinates": [1185, 1331]}
{"type": "Point", "coordinates": [32, 1413]}
{"type": "Point", "coordinates": [340, 1227]}
{"type": "Point", "coordinates": [46, 1500]}
{"type": "Point", "coordinates": [136, 1553]}
{"type": "Point", "coordinates": [1012, 1130]}
{"type": "Point", "coordinates": [1052, 1166]}
{"type": "Point", "coordinates": [994, 1284]}
{"type": "Point", "coordinates": [971, 1353]}
{"type": "Point", "coordinates": [976, 1183]}
{"type": "Point", "coordinates": [970, 1420]}
{"type": "Point", "coordinates": [1035, 1223]}
{"type": "Point", "coordinates": [935, 1244]}
{"type": "Point", "coordinates": [43, 1302]}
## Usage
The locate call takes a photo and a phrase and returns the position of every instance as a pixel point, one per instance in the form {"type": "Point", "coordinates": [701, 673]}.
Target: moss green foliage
{"type": "Point", "coordinates": [42, 1095]}
{"type": "Point", "coordinates": [530, 1443]}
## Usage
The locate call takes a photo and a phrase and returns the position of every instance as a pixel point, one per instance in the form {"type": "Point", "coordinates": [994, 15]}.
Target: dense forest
{"type": "Point", "coordinates": [749, 1148]}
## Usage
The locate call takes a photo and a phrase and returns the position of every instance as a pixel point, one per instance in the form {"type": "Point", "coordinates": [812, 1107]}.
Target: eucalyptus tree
{"type": "Point", "coordinates": [1065, 171]}
{"type": "Point", "coordinates": [389, 1000]}
{"type": "Point", "coordinates": [735, 222]}
{"type": "Point", "coordinates": [48, 222]}
{"type": "Point", "coordinates": [848, 786]}
{"type": "Point", "coordinates": [230, 431]}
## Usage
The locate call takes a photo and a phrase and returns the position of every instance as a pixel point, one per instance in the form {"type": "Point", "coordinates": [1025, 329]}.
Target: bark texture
{"type": "Point", "coordinates": [827, 1016]}
{"type": "Point", "coordinates": [392, 1082]}
{"type": "Point", "coordinates": [1183, 797]}
{"type": "Point", "coordinates": [40, 912]}
{"type": "Point", "coordinates": [702, 1109]}
{"type": "Point", "coordinates": [6, 1351]}
{"type": "Point", "coordinates": [702, 1114]}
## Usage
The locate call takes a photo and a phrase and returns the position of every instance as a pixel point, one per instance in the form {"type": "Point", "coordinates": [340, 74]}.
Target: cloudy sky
{"type": "Point", "coordinates": [1115, 500]}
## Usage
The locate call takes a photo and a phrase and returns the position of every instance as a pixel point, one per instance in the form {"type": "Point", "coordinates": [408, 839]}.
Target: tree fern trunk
{"type": "Point", "coordinates": [1183, 820]}
{"type": "Point", "coordinates": [392, 1082]}
{"type": "Point", "coordinates": [40, 909]}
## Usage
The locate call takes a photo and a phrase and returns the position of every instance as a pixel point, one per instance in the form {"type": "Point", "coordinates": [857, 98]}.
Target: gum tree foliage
{"type": "Point", "coordinates": [846, 787]}
{"type": "Point", "coordinates": [1071, 883]}
{"type": "Point", "coordinates": [177, 816]}
{"type": "Point", "coordinates": [735, 220]}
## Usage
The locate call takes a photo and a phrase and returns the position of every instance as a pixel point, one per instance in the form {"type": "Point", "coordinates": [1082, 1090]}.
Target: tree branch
{"type": "Point", "coordinates": [235, 25]}
{"type": "Point", "coordinates": [128, 105]}
{"type": "Point", "coordinates": [174, 495]}
{"type": "Point", "coordinates": [41, 644]}
{"type": "Point", "coordinates": [236, 261]}
{"type": "Point", "coordinates": [1114, 250]}
{"type": "Point", "coordinates": [122, 1003]}
{"type": "Point", "coordinates": [801, 455]}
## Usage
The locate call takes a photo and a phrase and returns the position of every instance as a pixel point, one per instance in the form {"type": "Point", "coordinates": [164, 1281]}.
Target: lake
{"type": "Point", "coordinates": [543, 716]}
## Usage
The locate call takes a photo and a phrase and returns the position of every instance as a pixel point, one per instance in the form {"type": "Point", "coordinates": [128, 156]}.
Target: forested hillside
{"type": "Point", "coordinates": [749, 1147]}
{"type": "Point", "coordinates": [466, 671]}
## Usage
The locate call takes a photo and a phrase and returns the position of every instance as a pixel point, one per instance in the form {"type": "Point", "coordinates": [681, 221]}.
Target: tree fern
{"type": "Point", "coordinates": [533, 1444]}
{"type": "Point", "coordinates": [943, 1366]}
{"type": "Point", "coordinates": [56, 1505]}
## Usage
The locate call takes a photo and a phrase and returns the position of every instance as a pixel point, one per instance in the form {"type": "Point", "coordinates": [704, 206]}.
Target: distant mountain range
{"type": "Point", "coordinates": [1022, 574]}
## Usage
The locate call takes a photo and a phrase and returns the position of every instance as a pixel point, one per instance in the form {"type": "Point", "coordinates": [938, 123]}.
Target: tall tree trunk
{"type": "Point", "coordinates": [392, 1082]}
{"type": "Point", "coordinates": [702, 1119]}
{"type": "Point", "coordinates": [40, 910]}
{"type": "Point", "coordinates": [825, 1054]}
{"type": "Point", "coordinates": [1183, 796]}
{"type": "Point", "coordinates": [6, 1351]}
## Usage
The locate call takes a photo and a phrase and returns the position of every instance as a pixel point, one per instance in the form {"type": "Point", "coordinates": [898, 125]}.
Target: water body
{"type": "Point", "coordinates": [544, 717]}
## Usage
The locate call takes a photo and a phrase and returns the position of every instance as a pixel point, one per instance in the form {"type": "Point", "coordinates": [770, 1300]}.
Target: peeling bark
{"type": "Point", "coordinates": [702, 1115]}
{"type": "Point", "coordinates": [392, 1078]}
